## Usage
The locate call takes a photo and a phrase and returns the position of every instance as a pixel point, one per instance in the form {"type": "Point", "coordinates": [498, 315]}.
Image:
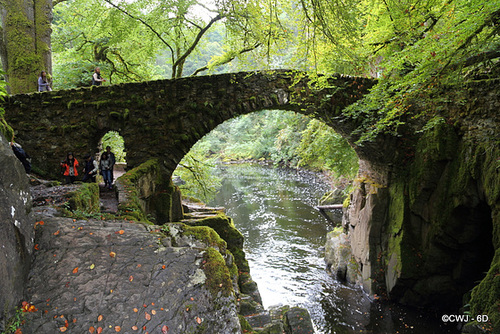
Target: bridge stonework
{"type": "Point", "coordinates": [164, 119]}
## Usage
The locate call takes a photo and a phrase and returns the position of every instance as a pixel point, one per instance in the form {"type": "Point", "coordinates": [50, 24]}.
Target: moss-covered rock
{"type": "Point", "coordinates": [218, 276]}
{"type": "Point", "coordinates": [147, 192]}
{"type": "Point", "coordinates": [485, 297]}
{"type": "Point", "coordinates": [85, 198]}
{"type": "Point", "coordinates": [224, 226]}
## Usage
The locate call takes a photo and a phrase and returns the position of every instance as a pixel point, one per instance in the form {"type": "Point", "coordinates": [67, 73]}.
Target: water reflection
{"type": "Point", "coordinates": [284, 239]}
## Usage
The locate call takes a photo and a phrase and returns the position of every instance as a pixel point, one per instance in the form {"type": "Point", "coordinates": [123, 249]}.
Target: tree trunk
{"type": "Point", "coordinates": [25, 42]}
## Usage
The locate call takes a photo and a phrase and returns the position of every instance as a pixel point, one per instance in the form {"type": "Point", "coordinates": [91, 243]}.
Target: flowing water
{"type": "Point", "coordinates": [284, 244]}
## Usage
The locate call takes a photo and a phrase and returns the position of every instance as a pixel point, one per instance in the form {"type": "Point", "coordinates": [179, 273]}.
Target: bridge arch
{"type": "Point", "coordinates": [165, 118]}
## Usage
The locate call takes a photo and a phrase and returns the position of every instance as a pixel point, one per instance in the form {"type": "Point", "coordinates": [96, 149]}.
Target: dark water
{"type": "Point", "coordinates": [284, 244]}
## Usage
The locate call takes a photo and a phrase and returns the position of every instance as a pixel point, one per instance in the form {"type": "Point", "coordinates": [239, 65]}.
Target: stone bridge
{"type": "Point", "coordinates": [164, 119]}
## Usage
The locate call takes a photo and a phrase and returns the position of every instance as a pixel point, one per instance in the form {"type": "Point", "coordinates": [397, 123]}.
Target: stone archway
{"type": "Point", "coordinates": [163, 119]}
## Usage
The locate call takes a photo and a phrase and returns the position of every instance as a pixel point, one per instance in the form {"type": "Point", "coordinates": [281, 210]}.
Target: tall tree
{"type": "Point", "coordinates": [25, 42]}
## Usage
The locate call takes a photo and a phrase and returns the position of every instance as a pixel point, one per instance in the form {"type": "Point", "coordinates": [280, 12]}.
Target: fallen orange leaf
{"type": "Point", "coordinates": [163, 267]}
{"type": "Point", "coordinates": [36, 247]}
{"type": "Point", "coordinates": [118, 328]}
{"type": "Point", "coordinates": [131, 278]}
{"type": "Point", "coordinates": [153, 312]}
{"type": "Point", "coordinates": [112, 254]}
{"type": "Point", "coordinates": [99, 330]}
{"type": "Point", "coordinates": [75, 270]}
{"type": "Point", "coordinates": [164, 329]}
{"type": "Point", "coordinates": [136, 310]}
{"type": "Point", "coordinates": [56, 232]}
{"type": "Point", "coordinates": [121, 231]}
{"type": "Point", "coordinates": [63, 329]}
{"type": "Point", "coordinates": [198, 320]}
{"type": "Point", "coordinates": [18, 331]}
{"type": "Point", "coordinates": [134, 328]}
{"type": "Point", "coordinates": [147, 316]}
{"type": "Point", "coordinates": [91, 330]}
{"type": "Point", "coordinates": [99, 318]}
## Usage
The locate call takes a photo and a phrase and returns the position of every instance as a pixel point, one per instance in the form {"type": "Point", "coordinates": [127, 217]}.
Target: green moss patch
{"type": "Point", "coordinates": [85, 198]}
{"type": "Point", "coordinates": [218, 276]}
{"type": "Point", "coordinates": [485, 297]}
{"type": "Point", "coordinates": [224, 226]}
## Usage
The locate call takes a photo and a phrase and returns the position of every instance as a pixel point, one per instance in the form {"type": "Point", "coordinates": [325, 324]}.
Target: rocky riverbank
{"type": "Point", "coordinates": [100, 274]}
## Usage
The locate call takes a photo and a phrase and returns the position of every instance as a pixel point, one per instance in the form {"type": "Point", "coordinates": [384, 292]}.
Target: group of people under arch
{"type": "Point", "coordinates": [90, 168]}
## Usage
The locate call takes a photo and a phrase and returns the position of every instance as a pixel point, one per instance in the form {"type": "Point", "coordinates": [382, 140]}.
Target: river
{"type": "Point", "coordinates": [284, 245]}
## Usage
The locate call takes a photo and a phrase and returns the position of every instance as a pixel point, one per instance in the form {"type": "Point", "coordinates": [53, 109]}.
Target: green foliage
{"type": "Point", "coordinates": [147, 39]}
{"type": "Point", "coordinates": [5, 129]}
{"type": "Point", "coordinates": [14, 322]}
{"type": "Point", "coordinates": [115, 141]}
{"type": "Point", "coordinates": [322, 148]}
{"type": "Point", "coordinates": [197, 173]}
{"type": "Point", "coordinates": [282, 137]}
{"type": "Point", "coordinates": [422, 50]}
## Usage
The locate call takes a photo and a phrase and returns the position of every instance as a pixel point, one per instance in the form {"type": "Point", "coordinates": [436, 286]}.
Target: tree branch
{"type": "Point", "coordinates": [250, 48]}
{"type": "Point", "coordinates": [491, 19]}
{"type": "Point", "coordinates": [146, 24]}
{"type": "Point", "coordinates": [182, 58]}
{"type": "Point", "coordinates": [56, 2]}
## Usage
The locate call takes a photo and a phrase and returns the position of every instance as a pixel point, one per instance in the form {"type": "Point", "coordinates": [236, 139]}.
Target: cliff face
{"type": "Point", "coordinates": [425, 230]}
{"type": "Point", "coordinates": [16, 230]}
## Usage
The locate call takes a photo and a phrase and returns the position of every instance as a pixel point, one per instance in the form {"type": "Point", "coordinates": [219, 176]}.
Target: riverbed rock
{"type": "Point", "coordinates": [16, 230]}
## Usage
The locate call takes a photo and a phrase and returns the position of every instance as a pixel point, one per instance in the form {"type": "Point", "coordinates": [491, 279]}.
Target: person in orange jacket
{"type": "Point", "coordinates": [69, 167]}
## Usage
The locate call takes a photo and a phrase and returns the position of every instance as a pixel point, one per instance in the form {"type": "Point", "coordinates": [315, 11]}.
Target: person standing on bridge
{"type": "Point", "coordinates": [97, 79]}
{"type": "Point", "coordinates": [43, 83]}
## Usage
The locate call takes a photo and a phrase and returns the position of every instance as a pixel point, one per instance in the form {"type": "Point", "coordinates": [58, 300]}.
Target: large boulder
{"type": "Point", "coordinates": [16, 230]}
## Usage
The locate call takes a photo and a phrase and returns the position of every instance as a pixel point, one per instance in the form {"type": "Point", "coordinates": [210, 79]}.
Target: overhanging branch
{"type": "Point", "coordinates": [242, 51]}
